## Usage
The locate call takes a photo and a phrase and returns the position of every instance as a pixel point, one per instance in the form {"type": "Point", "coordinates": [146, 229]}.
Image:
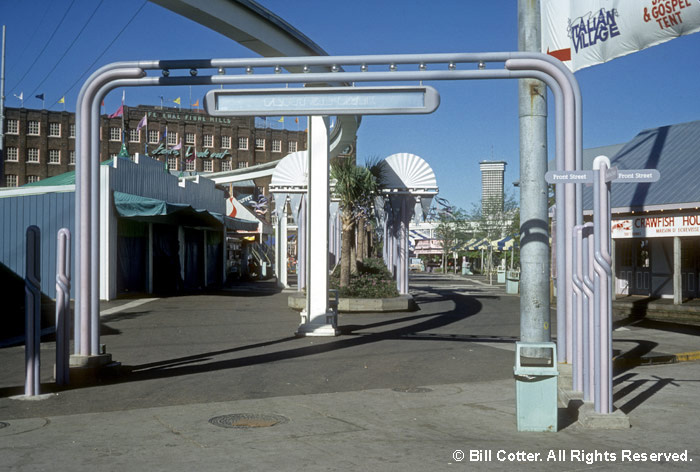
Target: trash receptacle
{"type": "Point", "coordinates": [501, 279]}
{"type": "Point", "coordinates": [536, 387]}
{"type": "Point", "coordinates": [512, 281]}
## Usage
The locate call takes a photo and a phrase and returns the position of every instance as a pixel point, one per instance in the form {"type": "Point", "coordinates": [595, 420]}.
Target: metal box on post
{"type": "Point", "coordinates": [536, 388]}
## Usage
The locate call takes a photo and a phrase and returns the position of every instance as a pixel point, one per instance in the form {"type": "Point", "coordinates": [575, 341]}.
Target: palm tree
{"type": "Point", "coordinates": [356, 187]}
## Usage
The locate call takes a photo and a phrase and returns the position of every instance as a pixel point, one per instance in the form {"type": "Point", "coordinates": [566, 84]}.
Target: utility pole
{"type": "Point", "coordinates": [2, 108]}
{"type": "Point", "coordinates": [534, 235]}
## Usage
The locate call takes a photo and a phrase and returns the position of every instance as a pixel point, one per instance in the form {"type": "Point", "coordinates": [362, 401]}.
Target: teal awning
{"type": "Point", "coordinates": [159, 211]}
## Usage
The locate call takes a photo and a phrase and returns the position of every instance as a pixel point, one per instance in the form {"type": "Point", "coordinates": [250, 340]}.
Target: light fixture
{"type": "Point", "coordinates": [193, 72]}
{"type": "Point", "coordinates": [451, 66]}
{"type": "Point", "coordinates": [306, 69]}
{"type": "Point", "coordinates": [248, 70]}
{"type": "Point", "coordinates": [482, 65]}
{"type": "Point", "coordinates": [422, 66]}
{"type": "Point", "coordinates": [221, 71]}
{"type": "Point", "coordinates": [363, 67]}
{"type": "Point", "coordinates": [392, 67]}
{"type": "Point", "coordinates": [278, 70]}
{"type": "Point", "coordinates": [165, 72]}
{"type": "Point", "coordinates": [335, 68]}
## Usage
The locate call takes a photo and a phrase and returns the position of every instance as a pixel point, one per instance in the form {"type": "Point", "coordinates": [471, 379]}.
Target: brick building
{"type": "Point", "coordinates": [41, 143]}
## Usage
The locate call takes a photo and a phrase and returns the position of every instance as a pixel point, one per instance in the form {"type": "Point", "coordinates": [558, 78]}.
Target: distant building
{"type": "Point", "coordinates": [41, 143]}
{"type": "Point", "coordinates": [492, 186]}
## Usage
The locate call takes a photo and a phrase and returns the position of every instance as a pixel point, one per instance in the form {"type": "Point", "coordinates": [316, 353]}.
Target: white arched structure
{"type": "Point", "coordinates": [289, 183]}
{"type": "Point", "coordinates": [408, 187]}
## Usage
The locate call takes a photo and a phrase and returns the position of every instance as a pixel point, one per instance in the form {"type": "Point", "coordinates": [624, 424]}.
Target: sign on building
{"type": "Point", "coordinates": [656, 226]}
{"type": "Point", "coordinates": [582, 33]}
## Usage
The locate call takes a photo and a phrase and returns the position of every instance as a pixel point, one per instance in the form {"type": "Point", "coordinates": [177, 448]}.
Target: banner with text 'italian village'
{"type": "Point", "coordinates": [582, 33]}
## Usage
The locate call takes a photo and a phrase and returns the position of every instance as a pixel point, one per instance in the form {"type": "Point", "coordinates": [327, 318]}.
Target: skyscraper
{"type": "Point", "coordinates": [492, 186]}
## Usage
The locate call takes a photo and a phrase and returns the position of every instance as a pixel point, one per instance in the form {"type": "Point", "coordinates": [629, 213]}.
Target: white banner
{"type": "Point", "coordinates": [656, 226]}
{"type": "Point", "coordinates": [582, 33]}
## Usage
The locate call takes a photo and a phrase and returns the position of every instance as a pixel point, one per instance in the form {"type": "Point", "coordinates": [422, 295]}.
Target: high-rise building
{"type": "Point", "coordinates": [492, 186]}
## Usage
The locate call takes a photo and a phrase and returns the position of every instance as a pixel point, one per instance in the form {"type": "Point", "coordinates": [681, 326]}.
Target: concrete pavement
{"type": "Point", "coordinates": [397, 391]}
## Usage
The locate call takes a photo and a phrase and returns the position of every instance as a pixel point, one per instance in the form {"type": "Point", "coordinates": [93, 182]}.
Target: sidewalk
{"type": "Point", "coordinates": [399, 391]}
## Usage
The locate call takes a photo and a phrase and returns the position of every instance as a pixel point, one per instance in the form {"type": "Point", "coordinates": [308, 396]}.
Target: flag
{"type": "Point", "coordinates": [40, 96]}
{"type": "Point", "coordinates": [178, 146]}
{"type": "Point", "coordinates": [117, 113]}
{"type": "Point", "coordinates": [165, 135]}
{"type": "Point", "coordinates": [296, 120]}
{"type": "Point", "coordinates": [196, 104]}
{"type": "Point", "coordinates": [21, 96]}
{"type": "Point", "coordinates": [142, 123]}
{"type": "Point", "coordinates": [177, 100]}
{"type": "Point", "coordinates": [281, 120]}
{"type": "Point", "coordinates": [62, 100]}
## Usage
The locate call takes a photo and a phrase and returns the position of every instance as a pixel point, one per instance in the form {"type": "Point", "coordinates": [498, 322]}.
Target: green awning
{"type": "Point", "coordinates": [159, 211]}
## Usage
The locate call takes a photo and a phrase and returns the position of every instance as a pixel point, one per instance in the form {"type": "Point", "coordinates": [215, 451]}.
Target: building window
{"type": "Point", "coordinates": [276, 145]}
{"type": "Point", "coordinates": [55, 130]}
{"type": "Point", "coordinates": [242, 164]}
{"type": "Point", "coordinates": [190, 138]}
{"type": "Point", "coordinates": [172, 163]}
{"type": "Point", "coordinates": [113, 156]}
{"type": "Point", "coordinates": [71, 158]}
{"type": "Point", "coordinates": [71, 130]}
{"type": "Point", "coordinates": [33, 155]}
{"type": "Point", "coordinates": [225, 166]}
{"type": "Point", "coordinates": [13, 127]}
{"type": "Point", "coordinates": [153, 136]}
{"type": "Point", "coordinates": [54, 156]}
{"type": "Point", "coordinates": [11, 180]}
{"type": "Point", "coordinates": [208, 140]}
{"type": "Point", "coordinates": [33, 128]}
{"type": "Point", "coordinates": [134, 136]}
{"type": "Point", "coordinates": [243, 144]}
{"type": "Point", "coordinates": [226, 142]}
{"type": "Point", "coordinates": [190, 165]}
{"type": "Point", "coordinates": [11, 154]}
{"type": "Point", "coordinates": [172, 139]}
{"type": "Point", "coordinates": [259, 144]}
{"type": "Point", "coordinates": [115, 134]}
{"type": "Point", "coordinates": [208, 166]}
{"type": "Point", "coordinates": [292, 146]}
{"type": "Point", "coordinates": [32, 178]}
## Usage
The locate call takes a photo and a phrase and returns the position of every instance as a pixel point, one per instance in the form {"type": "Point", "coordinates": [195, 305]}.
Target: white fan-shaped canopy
{"type": "Point", "coordinates": [407, 172]}
{"type": "Point", "coordinates": [290, 173]}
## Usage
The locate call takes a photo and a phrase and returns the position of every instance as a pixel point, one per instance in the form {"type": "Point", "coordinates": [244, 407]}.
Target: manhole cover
{"type": "Point", "coordinates": [412, 389]}
{"type": "Point", "coordinates": [4, 425]}
{"type": "Point", "coordinates": [247, 420]}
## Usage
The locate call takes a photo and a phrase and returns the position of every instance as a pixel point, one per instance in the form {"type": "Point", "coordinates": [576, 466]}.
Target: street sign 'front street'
{"type": "Point", "coordinates": [322, 101]}
{"type": "Point", "coordinates": [613, 174]}
{"type": "Point", "coordinates": [568, 176]}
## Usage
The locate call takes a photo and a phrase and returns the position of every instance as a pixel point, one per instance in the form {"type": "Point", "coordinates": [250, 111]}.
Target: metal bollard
{"type": "Point", "coordinates": [536, 388]}
{"type": "Point", "coordinates": [32, 309]}
{"type": "Point", "coordinates": [63, 307]}
{"type": "Point", "coordinates": [588, 310]}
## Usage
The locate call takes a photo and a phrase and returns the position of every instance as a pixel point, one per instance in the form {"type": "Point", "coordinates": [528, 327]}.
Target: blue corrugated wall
{"type": "Point", "coordinates": [50, 212]}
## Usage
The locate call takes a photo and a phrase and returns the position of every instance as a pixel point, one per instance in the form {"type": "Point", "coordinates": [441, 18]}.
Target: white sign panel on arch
{"type": "Point", "coordinates": [583, 33]}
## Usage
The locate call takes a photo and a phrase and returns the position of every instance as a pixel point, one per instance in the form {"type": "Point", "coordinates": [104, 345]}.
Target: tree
{"type": "Point", "coordinates": [453, 230]}
{"type": "Point", "coordinates": [493, 221]}
{"type": "Point", "coordinates": [356, 187]}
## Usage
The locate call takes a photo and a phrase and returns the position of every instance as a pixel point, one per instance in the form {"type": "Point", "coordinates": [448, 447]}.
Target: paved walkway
{"type": "Point", "coordinates": [399, 391]}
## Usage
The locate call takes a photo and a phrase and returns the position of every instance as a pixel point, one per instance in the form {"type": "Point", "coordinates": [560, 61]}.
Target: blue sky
{"type": "Point", "coordinates": [476, 120]}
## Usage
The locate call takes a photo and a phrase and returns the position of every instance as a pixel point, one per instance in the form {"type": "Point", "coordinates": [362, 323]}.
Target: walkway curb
{"type": "Point", "coordinates": [657, 360]}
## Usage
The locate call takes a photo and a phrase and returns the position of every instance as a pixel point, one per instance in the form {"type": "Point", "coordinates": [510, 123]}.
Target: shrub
{"type": "Point", "coordinates": [372, 280]}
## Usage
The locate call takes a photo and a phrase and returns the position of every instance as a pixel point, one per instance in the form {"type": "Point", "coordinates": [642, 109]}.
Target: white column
{"type": "Point", "coordinates": [677, 276]}
{"type": "Point", "coordinates": [282, 264]}
{"type": "Point", "coordinates": [150, 258]}
{"type": "Point", "coordinates": [316, 319]}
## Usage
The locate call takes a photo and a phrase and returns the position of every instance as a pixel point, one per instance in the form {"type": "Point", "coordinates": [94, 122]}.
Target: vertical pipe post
{"type": "Point", "coordinates": [301, 245]}
{"type": "Point", "coordinates": [577, 319]}
{"type": "Point", "coordinates": [588, 311]}
{"type": "Point", "coordinates": [32, 294]}
{"type": "Point", "coordinates": [534, 253]}
{"type": "Point", "coordinates": [63, 307]}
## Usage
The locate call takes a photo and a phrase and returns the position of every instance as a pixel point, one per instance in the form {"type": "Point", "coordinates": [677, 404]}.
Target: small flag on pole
{"type": "Point", "coordinates": [281, 120]}
{"type": "Point", "coordinates": [177, 100]}
{"type": "Point", "coordinates": [196, 104]}
{"type": "Point", "coordinates": [142, 123]}
{"type": "Point", "coordinates": [62, 100]}
{"type": "Point", "coordinates": [40, 96]}
{"type": "Point", "coordinates": [117, 113]}
{"type": "Point", "coordinates": [177, 147]}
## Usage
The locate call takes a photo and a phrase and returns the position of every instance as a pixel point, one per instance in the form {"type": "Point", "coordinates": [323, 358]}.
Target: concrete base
{"type": "Point", "coordinates": [317, 330]}
{"type": "Point", "coordinates": [589, 419]}
{"type": "Point", "coordinates": [586, 415]}
{"type": "Point", "coordinates": [297, 301]}
{"type": "Point", "coordinates": [565, 376]}
{"type": "Point", "coordinates": [90, 362]}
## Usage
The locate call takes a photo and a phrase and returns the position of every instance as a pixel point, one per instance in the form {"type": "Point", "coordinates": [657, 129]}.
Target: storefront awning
{"type": "Point", "coordinates": [159, 211]}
